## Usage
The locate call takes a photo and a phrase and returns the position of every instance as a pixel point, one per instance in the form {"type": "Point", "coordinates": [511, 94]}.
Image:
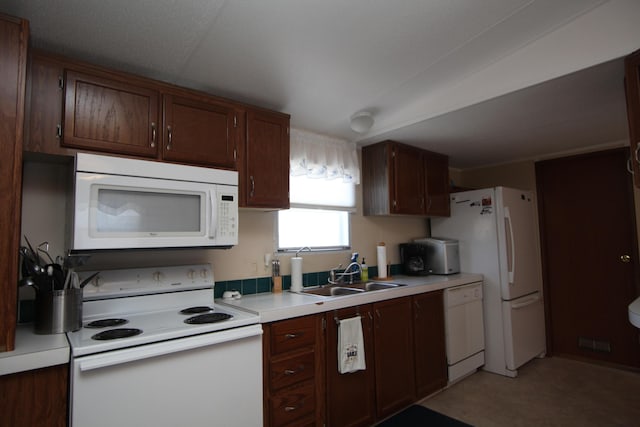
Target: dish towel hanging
{"type": "Point", "coordinates": [350, 346]}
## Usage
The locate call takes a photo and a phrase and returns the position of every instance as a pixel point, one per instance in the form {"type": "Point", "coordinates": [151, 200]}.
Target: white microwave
{"type": "Point", "coordinates": [122, 203]}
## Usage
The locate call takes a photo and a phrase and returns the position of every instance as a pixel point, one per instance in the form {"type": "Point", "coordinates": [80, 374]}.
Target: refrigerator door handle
{"type": "Point", "coordinates": [526, 302]}
{"type": "Point", "coordinates": [511, 248]}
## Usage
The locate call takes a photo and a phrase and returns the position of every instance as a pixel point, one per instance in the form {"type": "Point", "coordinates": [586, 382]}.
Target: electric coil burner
{"type": "Point", "coordinates": [113, 334]}
{"type": "Point", "coordinates": [197, 310]}
{"type": "Point", "coordinates": [106, 323]}
{"type": "Point", "coordinates": [208, 318]}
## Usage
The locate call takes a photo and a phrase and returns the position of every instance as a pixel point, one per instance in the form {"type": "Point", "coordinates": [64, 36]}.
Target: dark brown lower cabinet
{"type": "Point", "coordinates": [293, 368]}
{"type": "Point", "coordinates": [405, 354]}
{"type": "Point", "coordinates": [429, 343]}
{"type": "Point", "coordinates": [394, 358]}
{"type": "Point", "coordinates": [35, 398]}
{"type": "Point", "coordinates": [351, 397]}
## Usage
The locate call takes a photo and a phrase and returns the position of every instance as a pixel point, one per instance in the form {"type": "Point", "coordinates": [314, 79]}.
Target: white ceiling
{"type": "Point", "coordinates": [485, 81]}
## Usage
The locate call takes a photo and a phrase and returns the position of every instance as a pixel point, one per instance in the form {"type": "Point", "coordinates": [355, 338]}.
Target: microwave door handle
{"type": "Point", "coordinates": [213, 214]}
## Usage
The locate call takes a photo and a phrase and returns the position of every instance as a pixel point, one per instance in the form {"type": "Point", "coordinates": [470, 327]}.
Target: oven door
{"type": "Point", "coordinates": [209, 379]}
{"type": "Point", "coordinates": [127, 212]}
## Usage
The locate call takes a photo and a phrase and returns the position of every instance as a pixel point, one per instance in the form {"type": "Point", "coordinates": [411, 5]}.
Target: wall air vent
{"type": "Point", "coordinates": [594, 345]}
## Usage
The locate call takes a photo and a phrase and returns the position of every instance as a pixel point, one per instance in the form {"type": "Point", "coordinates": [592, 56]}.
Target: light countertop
{"type": "Point", "coordinates": [285, 305]}
{"type": "Point", "coordinates": [34, 351]}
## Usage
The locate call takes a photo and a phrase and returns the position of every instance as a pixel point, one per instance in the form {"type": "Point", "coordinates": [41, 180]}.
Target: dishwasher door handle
{"type": "Point", "coordinates": [97, 361]}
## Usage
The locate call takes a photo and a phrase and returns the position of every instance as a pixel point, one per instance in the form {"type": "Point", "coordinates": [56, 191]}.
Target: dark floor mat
{"type": "Point", "coordinates": [419, 416]}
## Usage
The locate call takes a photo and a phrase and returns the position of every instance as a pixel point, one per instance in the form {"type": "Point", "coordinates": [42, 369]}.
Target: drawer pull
{"type": "Point", "coordinates": [290, 408]}
{"type": "Point", "coordinates": [292, 336]}
{"type": "Point", "coordinates": [294, 371]}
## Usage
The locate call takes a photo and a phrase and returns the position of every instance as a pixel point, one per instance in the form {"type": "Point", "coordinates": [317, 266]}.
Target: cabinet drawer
{"type": "Point", "coordinates": [291, 404]}
{"type": "Point", "coordinates": [292, 370]}
{"type": "Point", "coordinates": [293, 334]}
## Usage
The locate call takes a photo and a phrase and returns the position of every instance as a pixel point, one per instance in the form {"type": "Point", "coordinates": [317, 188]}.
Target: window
{"type": "Point", "coordinates": [324, 173]}
{"type": "Point", "coordinates": [316, 228]}
{"type": "Point", "coordinates": [319, 216]}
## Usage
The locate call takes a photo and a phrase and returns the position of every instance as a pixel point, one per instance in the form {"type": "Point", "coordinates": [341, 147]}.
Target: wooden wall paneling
{"type": "Point", "coordinates": [14, 35]}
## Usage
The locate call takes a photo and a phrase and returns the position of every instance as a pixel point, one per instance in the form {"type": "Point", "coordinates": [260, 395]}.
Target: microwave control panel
{"type": "Point", "coordinates": [227, 215]}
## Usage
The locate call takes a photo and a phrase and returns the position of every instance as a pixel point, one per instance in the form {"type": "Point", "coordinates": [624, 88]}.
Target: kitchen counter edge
{"type": "Point", "coordinates": [272, 307]}
{"type": "Point", "coordinates": [34, 351]}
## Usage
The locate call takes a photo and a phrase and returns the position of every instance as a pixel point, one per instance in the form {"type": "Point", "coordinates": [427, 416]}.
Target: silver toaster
{"type": "Point", "coordinates": [442, 256]}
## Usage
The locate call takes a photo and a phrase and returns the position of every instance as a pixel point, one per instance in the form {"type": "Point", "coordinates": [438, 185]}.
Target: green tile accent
{"type": "Point", "coordinates": [234, 285]}
{"type": "Point", "coordinates": [249, 286]}
{"type": "Point", "coordinates": [263, 284]}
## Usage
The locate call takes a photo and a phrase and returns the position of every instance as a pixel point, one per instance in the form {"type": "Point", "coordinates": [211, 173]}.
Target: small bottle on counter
{"type": "Point", "coordinates": [365, 271]}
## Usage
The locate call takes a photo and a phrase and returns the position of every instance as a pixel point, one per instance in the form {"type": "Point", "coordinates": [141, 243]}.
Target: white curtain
{"type": "Point", "coordinates": [318, 156]}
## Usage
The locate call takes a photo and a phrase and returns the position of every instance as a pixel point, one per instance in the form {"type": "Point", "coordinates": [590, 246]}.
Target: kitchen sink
{"type": "Point", "coordinates": [332, 291]}
{"type": "Point", "coordinates": [350, 289]}
{"type": "Point", "coordinates": [375, 286]}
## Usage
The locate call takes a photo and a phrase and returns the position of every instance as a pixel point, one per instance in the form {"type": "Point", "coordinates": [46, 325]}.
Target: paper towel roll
{"type": "Point", "coordinates": [382, 260]}
{"type": "Point", "coordinates": [296, 274]}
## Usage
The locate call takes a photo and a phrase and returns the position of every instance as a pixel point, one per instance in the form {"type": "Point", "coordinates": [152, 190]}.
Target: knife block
{"type": "Point", "coordinates": [277, 284]}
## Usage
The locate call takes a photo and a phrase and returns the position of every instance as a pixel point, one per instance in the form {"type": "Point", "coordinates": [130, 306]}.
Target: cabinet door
{"type": "Point", "coordinates": [436, 172]}
{"type": "Point", "coordinates": [350, 397]}
{"type": "Point", "coordinates": [632, 85]}
{"type": "Point", "coordinates": [108, 115]}
{"type": "Point", "coordinates": [408, 180]}
{"type": "Point", "coordinates": [266, 163]}
{"type": "Point", "coordinates": [35, 398]}
{"type": "Point", "coordinates": [43, 121]}
{"type": "Point", "coordinates": [429, 343]}
{"type": "Point", "coordinates": [199, 132]}
{"type": "Point", "coordinates": [394, 359]}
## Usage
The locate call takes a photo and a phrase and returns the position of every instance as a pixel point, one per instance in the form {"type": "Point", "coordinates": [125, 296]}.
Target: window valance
{"type": "Point", "coordinates": [319, 156]}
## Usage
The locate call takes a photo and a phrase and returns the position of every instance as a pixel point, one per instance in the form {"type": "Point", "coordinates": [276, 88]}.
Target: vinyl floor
{"type": "Point", "coordinates": [553, 391]}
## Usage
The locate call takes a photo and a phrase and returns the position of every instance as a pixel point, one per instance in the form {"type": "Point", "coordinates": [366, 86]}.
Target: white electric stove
{"type": "Point", "coordinates": [154, 336]}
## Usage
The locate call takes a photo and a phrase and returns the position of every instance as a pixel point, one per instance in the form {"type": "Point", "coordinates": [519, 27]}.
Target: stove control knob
{"type": "Point", "coordinates": [204, 273]}
{"type": "Point", "coordinates": [191, 274]}
{"type": "Point", "coordinates": [158, 276]}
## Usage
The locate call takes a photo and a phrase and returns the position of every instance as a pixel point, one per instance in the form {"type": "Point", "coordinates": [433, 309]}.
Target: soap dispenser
{"type": "Point", "coordinates": [365, 271]}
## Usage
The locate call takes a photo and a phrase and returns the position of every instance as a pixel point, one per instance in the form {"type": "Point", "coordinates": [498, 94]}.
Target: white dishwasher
{"type": "Point", "coordinates": [464, 330]}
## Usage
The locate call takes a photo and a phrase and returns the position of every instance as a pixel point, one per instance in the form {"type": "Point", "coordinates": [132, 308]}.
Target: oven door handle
{"type": "Point", "coordinates": [103, 360]}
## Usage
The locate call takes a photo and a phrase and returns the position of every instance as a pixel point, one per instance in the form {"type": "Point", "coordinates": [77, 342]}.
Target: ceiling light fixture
{"type": "Point", "coordinates": [361, 122]}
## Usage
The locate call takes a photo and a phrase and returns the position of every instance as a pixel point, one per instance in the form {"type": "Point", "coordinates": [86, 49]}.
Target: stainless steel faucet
{"type": "Point", "coordinates": [339, 278]}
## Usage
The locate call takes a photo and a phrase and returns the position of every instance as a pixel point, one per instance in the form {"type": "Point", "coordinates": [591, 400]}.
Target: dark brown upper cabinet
{"type": "Point", "coordinates": [436, 173]}
{"type": "Point", "coordinates": [404, 180]}
{"type": "Point", "coordinates": [107, 115]}
{"type": "Point", "coordinates": [264, 173]}
{"type": "Point", "coordinates": [199, 131]}
{"type": "Point", "coordinates": [75, 106]}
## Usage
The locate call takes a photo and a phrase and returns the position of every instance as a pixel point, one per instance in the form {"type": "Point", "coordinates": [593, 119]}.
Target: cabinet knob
{"type": "Point", "coordinates": [169, 137]}
{"type": "Point", "coordinates": [625, 258]}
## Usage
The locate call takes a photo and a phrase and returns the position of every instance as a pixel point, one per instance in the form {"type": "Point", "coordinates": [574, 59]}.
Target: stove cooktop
{"type": "Point", "coordinates": [154, 317]}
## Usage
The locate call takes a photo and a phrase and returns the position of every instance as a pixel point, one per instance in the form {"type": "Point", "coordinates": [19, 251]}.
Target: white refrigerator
{"type": "Point", "coordinates": [497, 234]}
